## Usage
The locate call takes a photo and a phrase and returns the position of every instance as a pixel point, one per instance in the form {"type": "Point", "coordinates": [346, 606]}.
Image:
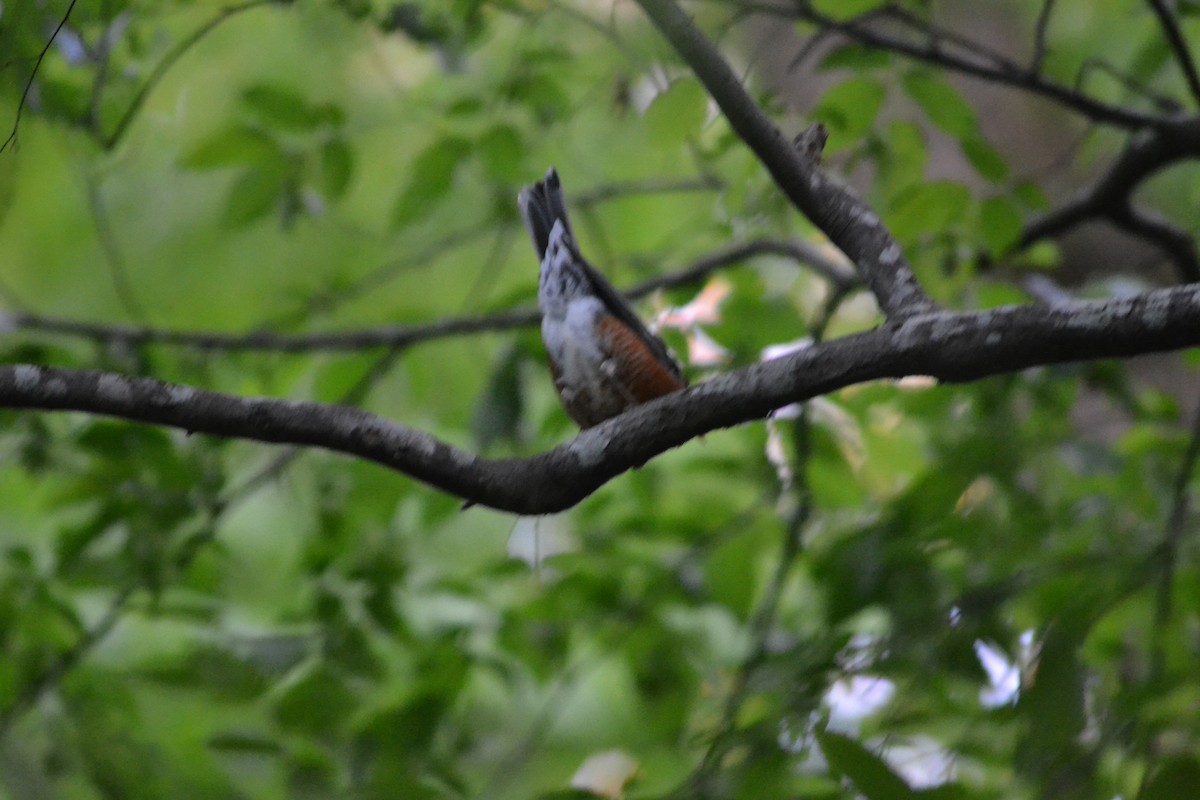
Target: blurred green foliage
{"type": "Point", "coordinates": [187, 617]}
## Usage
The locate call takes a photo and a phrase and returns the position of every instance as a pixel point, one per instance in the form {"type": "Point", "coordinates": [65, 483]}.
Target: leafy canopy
{"type": "Point", "coordinates": [804, 608]}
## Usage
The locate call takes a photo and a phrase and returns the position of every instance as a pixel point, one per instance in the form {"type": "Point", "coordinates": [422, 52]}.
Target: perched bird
{"type": "Point", "coordinates": [603, 358]}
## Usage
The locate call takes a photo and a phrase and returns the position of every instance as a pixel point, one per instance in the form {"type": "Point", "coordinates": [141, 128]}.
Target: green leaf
{"type": "Point", "coordinates": [8, 181]}
{"type": "Point", "coordinates": [221, 672]}
{"type": "Point", "coordinates": [332, 381]}
{"type": "Point", "coordinates": [314, 699]}
{"type": "Point", "coordinates": [118, 746]}
{"type": "Point", "coordinates": [231, 147]}
{"type": "Point", "coordinates": [904, 164]}
{"type": "Point", "coordinates": [942, 103]}
{"type": "Point", "coordinates": [329, 114]}
{"type": "Point", "coordinates": [676, 113]}
{"type": "Point", "coordinates": [1042, 255]}
{"type": "Point", "coordinates": [430, 180]}
{"type": "Point", "coordinates": [541, 92]}
{"type": "Point", "coordinates": [854, 56]}
{"type": "Point", "coordinates": [731, 574]}
{"type": "Point", "coordinates": [500, 150]}
{"type": "Point", "coordinates": [928, 208]}
{"type": "Point", "coordinates": [500, 409]}
{"type": "Point", "coordinates": [64, 96]}
{"type": "Point", "coordinates": [254, 195]}
{"type": "Point", "coordinates": [282, 108]}
{"type": "Point", "coordinates": [994, 295]}
{"type": "Point", "coordinates": [999, 224]}
{"type": "Point", "coordinates": [336, 167]}
{"type": "Point", "coordinates": [112, 440]}
{"type": "Point", "coordinates": [849, 109]}
{"type": "Point", "coordinates": [869, 773]}
{"type": "Point", "coordinates": [1175, 777]}
{"type": "Point", "coordinates": [984, 158]}
{"type": "Point", "coordinates": [1148, 60]}
{"type": "Point", "coordinates": [244, 743]}
{"type": "Point", "coordinates": [1031, 195]}
{"type": "Point", "coordinates": [842, 10]}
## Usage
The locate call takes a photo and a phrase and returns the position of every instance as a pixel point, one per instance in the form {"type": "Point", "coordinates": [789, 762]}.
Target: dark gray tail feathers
{"type": "Point", "coordinates": [541, 205]}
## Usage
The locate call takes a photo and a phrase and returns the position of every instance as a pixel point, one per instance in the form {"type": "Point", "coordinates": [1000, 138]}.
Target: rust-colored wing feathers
{"type": "Point", "coordinates": [638, 369]}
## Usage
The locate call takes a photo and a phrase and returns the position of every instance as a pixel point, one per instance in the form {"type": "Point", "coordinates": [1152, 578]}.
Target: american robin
{"type": "Point", "coordinates": [603, 358]}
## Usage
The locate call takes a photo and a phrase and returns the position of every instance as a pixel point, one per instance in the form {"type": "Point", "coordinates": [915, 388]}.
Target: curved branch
{"type": "Point", "coordinates": [403, 336]}
{"type": "Point", "coordinates": [1039, 36]}
{"type": "Point", "coordinates": [1175, 242]}
{"type": "Point", "coordinates": [173, 55]}
{"type": "Point", "coordinates": [1110, 197]}
{"type": "Point", "coordinates": [394, 336]}
{"type": "Point", "coordinates": [948, 346]}
{"type": "Point", "coordinates": [612, 191]}
{"type": "Point", "coordinates": [996, 70]}
{"type": "Point", "coordinates": [842, 216]}
{"type": "Point", "coordinates": [37, 65]}
{"type": "Point", "coordinates": [803, 252]}
{"type": "Point", "coordinates": [118, 270]}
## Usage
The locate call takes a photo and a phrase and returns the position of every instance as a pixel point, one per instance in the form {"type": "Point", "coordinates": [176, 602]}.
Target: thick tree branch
{"type": "Point", "coordinates": [948, 346]}
{"type": "Point", "coordinates": [403, 336]}
{"type": "Point", "coordinates": [844, 218]}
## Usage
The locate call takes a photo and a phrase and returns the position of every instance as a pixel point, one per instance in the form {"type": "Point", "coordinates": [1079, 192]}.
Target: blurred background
{"type": "Point", "coordinates": [988, 590]}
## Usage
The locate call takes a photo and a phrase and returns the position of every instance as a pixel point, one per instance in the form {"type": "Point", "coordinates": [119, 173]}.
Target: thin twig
{"type": "Point", "coordinates": [1176, 243]}
{"type": "Point", "coordinates": [30, 692]}
{"type": "Point", "coordinates": [12, 137]}
{"type": "Point", "coordinates": [424, 258]}
{"type": "Point", "coordinates": [160, 69]}
{"type": "Point", "coordinates": [611, 191]}
{"type": "Point", "coordinates": [1164, 103]}
{"type": "Point", "coordinates": [1179, 46]}
{"type": "Point", "coordinates": [1039, 36]}
{"type": "Point", "coordinates": [399, 336]}
{"type": "Point", "coordinates": [1169, 549]}
{"type": "Point", "coordinates": [1109, 198]}
{"type": "Point", "coordinates": [103, 58]}
{"type": "Point", "coordinates": [122, 286]}
{"type": "Point", "coordinates": [403, 336]}
{"type": "Point", "coordinates": [428, 255]}
{"type": "Point", "coordinates": [810, 46]}
{"type": "Point", "coordinates": [763, 620]}
{"type": "Point", "coordinates": [938, 38]}
{"type": "Point", "coordinates": [1004, 71]}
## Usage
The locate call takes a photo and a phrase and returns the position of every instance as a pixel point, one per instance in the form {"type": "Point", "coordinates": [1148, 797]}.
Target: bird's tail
{"type": "Point", "coordinates": [541, 205]}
